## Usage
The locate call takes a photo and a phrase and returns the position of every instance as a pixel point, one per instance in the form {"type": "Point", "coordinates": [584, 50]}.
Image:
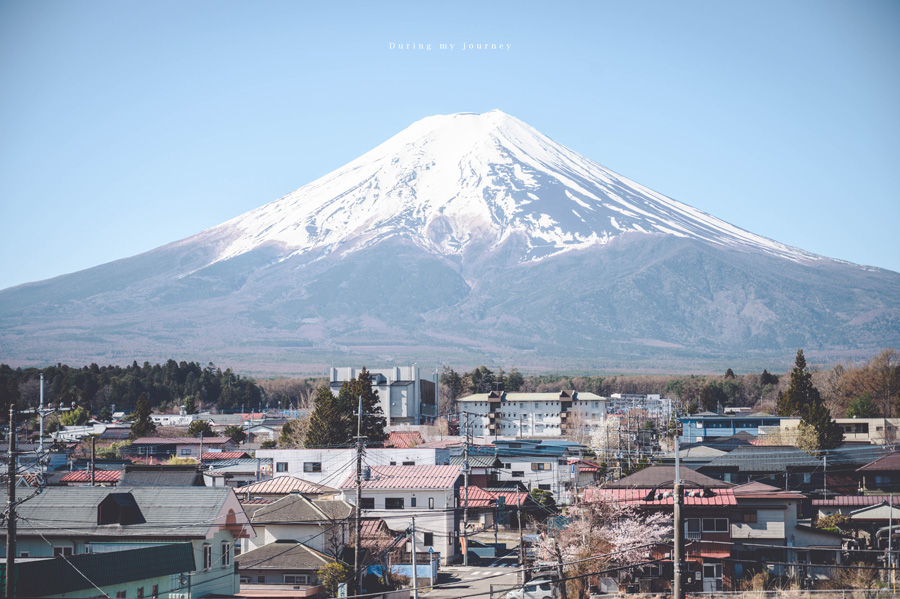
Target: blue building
{"type": "Point", "coordinates": [704, 426]}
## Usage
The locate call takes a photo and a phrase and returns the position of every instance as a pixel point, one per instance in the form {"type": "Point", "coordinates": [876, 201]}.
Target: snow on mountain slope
{"type": "Point", "coordinates": [447, 181]}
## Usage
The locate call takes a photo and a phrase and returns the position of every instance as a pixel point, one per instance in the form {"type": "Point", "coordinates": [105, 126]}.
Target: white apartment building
{"type": "Point", "coordinates": [405, 397]}
{"type": "Point", "coordinates": [530, 414]}
{"type": "Point", "coordinates": [331, 466]}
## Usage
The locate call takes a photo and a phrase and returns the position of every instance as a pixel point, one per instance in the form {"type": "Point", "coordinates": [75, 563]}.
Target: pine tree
{"type": "Point", "coordinates": [373, 421]}
{"type": "Point", "coordinates": [330, 423]}
{"type": "Point", "coordinates": [142, 426]}
{"type": "Point", "coordinates": [800, 394]}
{"type": "Point", "coordinates": [828, 433]}
{"type": "Point", "coordinates": [200, 426]}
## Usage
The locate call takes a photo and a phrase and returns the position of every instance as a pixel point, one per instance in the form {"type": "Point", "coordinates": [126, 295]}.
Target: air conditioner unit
{"type": "Point", "coordinates": [699, 439]}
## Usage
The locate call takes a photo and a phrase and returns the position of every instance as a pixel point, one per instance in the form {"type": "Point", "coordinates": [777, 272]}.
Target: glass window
{"type": "Point", "coordinates": [367, 503]}
{"type": "Point", "coordinates": [296, 579]}
{"type": "Point", "coordinates": [226, 553]}
{"type": "Point", "coordinates": [431, 503]}
{"type": "Point", "coordinates": [281, 467]}
{"type": "Point", "coordinates": [140, 593]}
{"type": "Point", "coordinates": [409, 464]}
{"type": "Point", "coordinates": [185, 451]}
{"type": "Point", "coordinates": [412, 502]}
{"type": "Point", "coordinates": [429, 538]}
{"type": "Point", "coordinates": [393, 503]}
{"type": "Point", "coordinates": [715, 524]}
{"type": "Point", "coordinates": [312, 466]}
{"type": "Point", "coordinates": [517, 474]}
{"type": "Point", "coordinates": [207, 557]}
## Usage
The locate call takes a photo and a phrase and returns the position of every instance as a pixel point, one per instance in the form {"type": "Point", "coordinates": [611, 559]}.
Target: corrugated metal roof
{"type": "Point", "coordinates": [282, 485]}
{"type": "Point", "coordinates": [855, 500]}
{"type": "Point", "coordinates": [282, 555]}
{"type": "Point", "coordinates": [479, 497]}
{"type": "Point", "coordinates": [643, 497]}
{"type": "Point", "coordinates": [516, 396]}
{"type": "Point", "coordinates": [660, 476]}
{"type": "Point", "coordinates": [84, 476]}
{"type": "Point", "coordinates": [407, 477]}
{"type": "Point", "coordinates": [755, 458]}
{"type": "Point", "coordinates": [180, 441]}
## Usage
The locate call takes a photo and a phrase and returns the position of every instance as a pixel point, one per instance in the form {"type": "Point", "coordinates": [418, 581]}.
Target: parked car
{"type": "Point", "coordinates": [536, 589]}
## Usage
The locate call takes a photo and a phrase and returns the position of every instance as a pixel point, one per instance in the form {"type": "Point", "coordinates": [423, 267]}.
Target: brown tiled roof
{"type": "Point", "coordinates": [650, 497]}
{"type": "Point", "coordinates": [282, 555]}
{"type": "Point", "coordinates": [100, 476]}
{"type": "Point", "coordinates": [855, 500]}
{"type": "Point", "coordinates": [888, 462]}
{"type": "Point", "coordinates": [282, 485]}
{"type": "Point", "coordinates": [403, 439]}
{"type": "Point", "coordinates": [407, 477]}
{"type": "Point", "coordinates": [664, 476]}
{"type": "Point", "coordinates": [211, 456]}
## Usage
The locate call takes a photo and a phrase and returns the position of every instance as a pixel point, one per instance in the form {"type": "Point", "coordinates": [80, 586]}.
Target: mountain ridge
{"type": "Point", "coordinates": [467, 238]}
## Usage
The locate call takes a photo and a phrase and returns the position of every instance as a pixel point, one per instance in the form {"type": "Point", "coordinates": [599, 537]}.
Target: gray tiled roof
{"type": "Point", "coordinates": [282, 555]}
{"type": "Point", "coordinates": [658, 476]}
{"type": "Point", "coordinates": [297, 508]}
{"type": "Point", "coordinates": [174, 512]}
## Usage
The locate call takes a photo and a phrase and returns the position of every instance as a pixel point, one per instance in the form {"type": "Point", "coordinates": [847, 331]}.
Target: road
{"type": "Point", "coordinates": [476, 581]}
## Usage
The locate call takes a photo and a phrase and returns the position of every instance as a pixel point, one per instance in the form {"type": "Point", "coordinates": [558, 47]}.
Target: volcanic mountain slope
{"type": "Point", "coordinates": [470, 238]}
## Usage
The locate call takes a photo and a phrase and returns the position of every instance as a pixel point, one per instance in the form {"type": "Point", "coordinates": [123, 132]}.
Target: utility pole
{"type": "Point", "coordinates": [415, 572]}
{"type": "Point", "coordinates": [11, 506]}
{"type": "Point", "coordinates": [825, 477]}
{"type": "Point", "coordinates": [678, 557]}
{"type": "Point", "coordinates": [465, 538]}
{"type": "Point", "coordinates": [360, 448]}
{"type": "Point", "coordinates": [93, 453]}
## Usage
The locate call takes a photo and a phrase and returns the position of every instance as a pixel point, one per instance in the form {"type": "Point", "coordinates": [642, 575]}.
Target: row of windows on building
{"type": "Point", "coordinates": [392, 503]}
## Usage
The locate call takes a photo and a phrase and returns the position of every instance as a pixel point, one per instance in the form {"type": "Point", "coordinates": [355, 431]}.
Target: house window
{"type": "Point", "coordinates": [121, 595]}
{"type": "Point", "coordinates": [367, 503]}
{"type": "Point", "coordinates": [296, 579]}
{"type": "Point", "coordinates": [393, 503]}
{"type": "Point", "coordinates": [409, 463]}
{"type": "Point", "coordinates": [261, 579]}
{"type": "Point", "coordinates": [692, 528]}
{"type": "Point", "coordinates": [185, 451]}
{"type": "Point", "coordinates": [747, 517]}
{"type": "Point", "coordinates": [412, 502]}
{"type": "Point", "coordinates": [428, 538]}
{"type": "Point", "coordinates": [62, 551]}
{"type": "Point", "coordinates": [393, 463]}
{"type": "Point", "coordinates": [517, 474]}
{"type": "Point", "coordinates": [226, 553]}
{"type": "Point", "coordinates": [281, 467]}
{"type": "Point", "coordinates": [25, 554]}
{"type": "Point", "coordinates": [507, 466]}
{"type": "Point", "coordinates": [807, 477]}
{"type": "Point", "coordinates": [140, 593]}
{"type": "Point", "coordinates": [715, 525]}
{"type": "Point", "coordinates": [431, 503]}
{"type": "Point", "coordinates": [312, 466]}
{"type": "Point", "coordinates": [155, 591]}
{"type": "Point", "coordinates": [544, 487]}
{"type": "Point", "coordinates": [207, 556]}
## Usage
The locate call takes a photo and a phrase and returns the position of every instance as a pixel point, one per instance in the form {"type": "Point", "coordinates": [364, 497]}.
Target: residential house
{"type": "Point", "coordinates": [483, 469]}
{"type": "Point", "coordinates": [881, 476]}
{"type": "Point", "coordinates": [430, 493]}
{"type": "Point", "coordinates": [72, 521]}
{"type": "Point", "coordinates": [542, 464]}
{"type": "Point", "coordinates": [162, 476]}
{"type": "Point", "coordinates": [330, 466]}
{"type": "Point", "coordinates": [703, 426]}
{"type": "Point", "coordinates": [181, 447]}
{"type": "Point", "coordinates": [785, 467]}
{"type": "Point", "coordinates": [403, 395]}
{"type": "Point", "coordinates": [236, 472]}
{"type": "Point", "coordinates": [766, 534]}
{"type": "Point", "coordinates": [531, 414]}
{"type": "Point", "coordinates": [494, 506]}
{"type": "Point", "coordinates": [80, 478]}
{"type": "Point", "coordinates": [877, 431]}
{"type": "Point", "coordinates": [708, 504]}
{"type": "Point", "coordinates": [404, 439]}
{"type": "Point", "coordinates": [295, 536]}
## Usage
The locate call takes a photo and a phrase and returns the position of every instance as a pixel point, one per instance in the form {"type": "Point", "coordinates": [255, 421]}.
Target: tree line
{"type": "Point", "coordinates": [165, 386]}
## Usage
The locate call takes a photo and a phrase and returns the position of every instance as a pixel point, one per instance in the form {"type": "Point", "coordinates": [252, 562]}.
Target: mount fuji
{"type": "Point", "coordinates": [466, 238]}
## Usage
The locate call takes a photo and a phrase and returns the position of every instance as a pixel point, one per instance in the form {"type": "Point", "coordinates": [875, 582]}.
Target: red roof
{"type": "Point", "coordinates": [404, 440]}
{"type": "Point", "coordinates": [224, 455]}
{"type": "Point", "coordinates": [692, 497]}
{"type": "Point", "coordinates": [583, 465]}
{"type": "Point", "coordinates": [407, 477]}
{"type": "Point", "coordinates": [479, 497]}
{"type": "Point", "coordinates": [181, 441]}
{"type": "Point", "coordinates": [282, 485]}
{"type": "Point", "coordinates": [100, 476]}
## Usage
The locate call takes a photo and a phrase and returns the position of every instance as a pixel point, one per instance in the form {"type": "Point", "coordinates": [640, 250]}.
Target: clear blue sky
{"type": "Point", "coordinates": [127, 125]}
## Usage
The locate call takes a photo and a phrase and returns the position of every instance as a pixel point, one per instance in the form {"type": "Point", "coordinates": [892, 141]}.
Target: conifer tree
{"type": "Point", "coordinates": [373, 421]}
{"type": "Point", "coordinates": [330, 423]}
{"type": "Point", "coordinates": [142, 425]}
{"type": "Point", "coordinates": [800, 394]}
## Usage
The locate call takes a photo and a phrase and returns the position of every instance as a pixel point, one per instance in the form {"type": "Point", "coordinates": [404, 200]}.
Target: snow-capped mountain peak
{"type": "Point", "coordinates": [449, 180]}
